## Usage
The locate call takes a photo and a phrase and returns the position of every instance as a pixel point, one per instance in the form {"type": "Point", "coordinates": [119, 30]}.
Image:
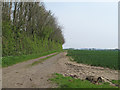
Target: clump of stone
{"type": "Point", "coordinates": [94, 79]}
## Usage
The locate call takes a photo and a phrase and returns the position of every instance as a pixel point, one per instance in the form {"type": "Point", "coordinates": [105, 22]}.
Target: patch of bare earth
{"type": "Point", "coordinates": [81, 71]}
{"type": "Point", "coordinates": [37, 76]}
{"type": "Point", "coordinates": [22, 76]}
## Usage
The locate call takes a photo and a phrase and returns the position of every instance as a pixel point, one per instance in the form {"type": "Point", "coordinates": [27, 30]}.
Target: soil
{"type": "Point", "coordinates": [37, 76]}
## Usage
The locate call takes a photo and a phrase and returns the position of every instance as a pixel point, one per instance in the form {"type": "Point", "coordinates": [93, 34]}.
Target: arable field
{"type": "Point", "coordinates": [104, 58]}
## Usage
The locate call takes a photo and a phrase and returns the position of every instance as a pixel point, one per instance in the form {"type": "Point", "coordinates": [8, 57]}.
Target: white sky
{"type": "Point", "coordinates": [87, 24]}
{"type": "Point", "coordinates": [78, 0]}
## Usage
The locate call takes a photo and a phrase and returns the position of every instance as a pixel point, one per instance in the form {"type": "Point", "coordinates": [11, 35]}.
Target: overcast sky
{"type": "Point", "coordinates": [87, 24]}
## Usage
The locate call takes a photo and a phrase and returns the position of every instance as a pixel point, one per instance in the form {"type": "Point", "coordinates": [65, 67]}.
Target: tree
{"type": "Point", "coordinates": [30, 27]}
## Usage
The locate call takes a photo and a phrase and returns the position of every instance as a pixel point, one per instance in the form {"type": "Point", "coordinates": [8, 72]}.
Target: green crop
{"type": "Point", "coordinates": [104, 58]}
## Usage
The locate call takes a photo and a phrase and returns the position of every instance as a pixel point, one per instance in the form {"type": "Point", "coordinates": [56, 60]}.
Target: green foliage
{"type": "Point", "coordinates": [104, 58]}
{"type": "Point", "coordinates": [69, 82]}
{"type": "Point", "coordinates": [31, 32]}
{"type": "Point", "coordinates": [23, 45]}
{"type": "Point", "coordinates": [8, 41]}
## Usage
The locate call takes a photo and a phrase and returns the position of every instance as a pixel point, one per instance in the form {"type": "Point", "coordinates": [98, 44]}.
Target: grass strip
{"type": "Point", "coordinates": [11, 60]}
{"type": "Point", "coordinates": [117, 82]}
{"type": "Point", "coordinates": [69, 82]}
{"type": "Point", "coordinates": [41, 60]}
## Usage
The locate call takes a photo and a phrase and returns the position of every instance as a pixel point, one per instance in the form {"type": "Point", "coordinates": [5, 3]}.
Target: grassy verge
{"type": "Point", "coordinates": [41, 60]}
{"type": "Point", "coordinates": [69, 82]}
{"type": "Point", "coordinates": [104, 58]}
{"type": "Point", "coordinates": [11, 60]}
{"type": "Point", "coordinates": [117, 82]}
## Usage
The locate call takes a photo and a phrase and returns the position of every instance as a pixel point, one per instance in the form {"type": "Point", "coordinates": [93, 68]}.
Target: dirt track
{"type": "Point", "coordinates": [22, 76]}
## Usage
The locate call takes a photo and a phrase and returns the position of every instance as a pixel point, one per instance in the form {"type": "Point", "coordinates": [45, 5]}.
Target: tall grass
{"type": "Point", "coordinates": [104, 58]}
